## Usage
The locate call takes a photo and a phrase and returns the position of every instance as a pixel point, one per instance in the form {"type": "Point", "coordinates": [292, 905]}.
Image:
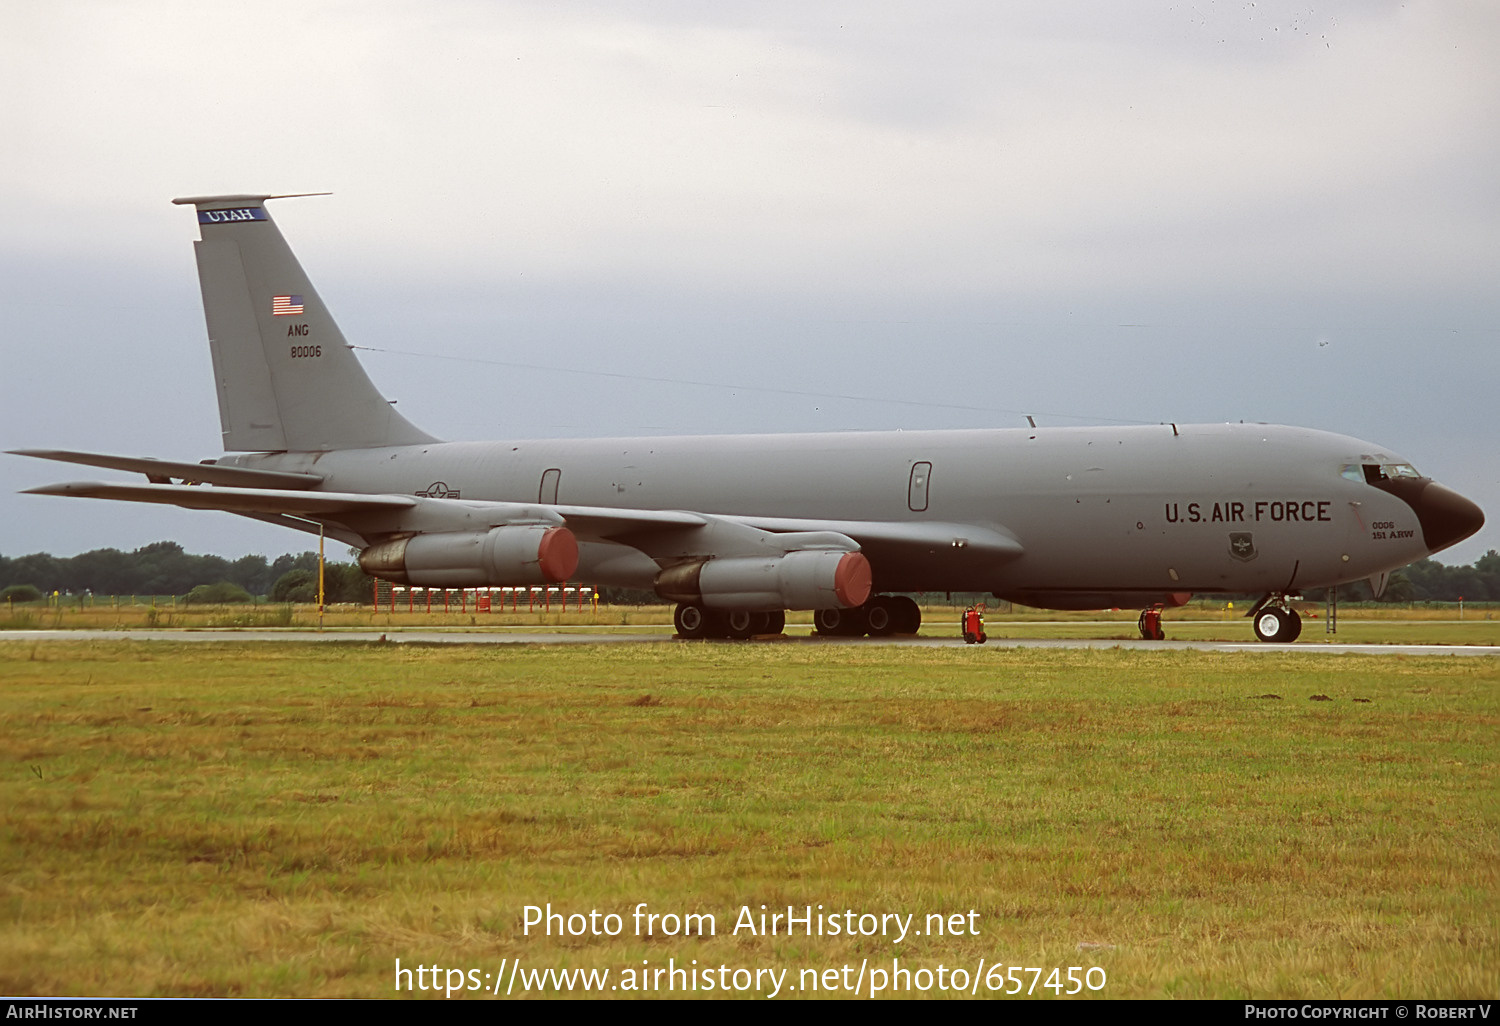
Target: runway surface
{"type": "Point", "coordinates": [511, 636]}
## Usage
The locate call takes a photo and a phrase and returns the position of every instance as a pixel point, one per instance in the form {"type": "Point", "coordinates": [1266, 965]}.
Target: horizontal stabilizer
{"type": "Point", "coordinates": [234, 500]}
{"type": "Point", "coordinates": [194, 473]}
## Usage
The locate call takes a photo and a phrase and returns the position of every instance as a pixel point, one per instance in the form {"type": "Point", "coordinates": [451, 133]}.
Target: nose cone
{"type": "Point", "coordinates": [1446, 516]}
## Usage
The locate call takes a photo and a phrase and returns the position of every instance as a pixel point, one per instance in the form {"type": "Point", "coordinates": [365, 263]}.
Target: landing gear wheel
{"type": "Point", "coordinates": [1269, 625]}
{"type": "Point", "coordinates": [1279, 625]}
{"type": "Point", "coordinates": [1294, 625]}
{"type": "Point", "coordinates": [691, 620]}
{"type": "Point", "coordinates": [775, 622]}
{"type": "Point", "coordinates": [905, 614]}
{"type": "Point", "coordinates": [839, 623]}
{"type": "Point", "coordinates": [741, 625]}
{"type": "Point", "coordinates": [880, 616]}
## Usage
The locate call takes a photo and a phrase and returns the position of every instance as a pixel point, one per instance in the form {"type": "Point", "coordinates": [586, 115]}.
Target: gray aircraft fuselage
{"type": "Point", "coordinates": [1094, 510]}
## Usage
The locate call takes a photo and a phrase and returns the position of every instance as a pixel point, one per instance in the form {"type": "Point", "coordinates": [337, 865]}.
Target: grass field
{"type": "Point", "coordinates": [1200, 621]}
{"type": "Point", "coordinates": [292, 819]}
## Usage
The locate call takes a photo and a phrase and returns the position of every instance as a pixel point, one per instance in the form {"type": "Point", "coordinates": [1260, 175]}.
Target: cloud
{"type": "Point", "coordinates": [843, 149]}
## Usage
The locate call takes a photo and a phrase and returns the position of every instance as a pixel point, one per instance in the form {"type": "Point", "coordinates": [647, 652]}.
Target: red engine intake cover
{"type": "Point", "coordinates": [557, 555]}
{"type": "Point", "coordinates": [852, 580]}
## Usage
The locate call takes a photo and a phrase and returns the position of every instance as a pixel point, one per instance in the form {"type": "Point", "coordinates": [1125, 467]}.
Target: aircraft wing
{"type": "Point", "coordinates": [162, 471]}
{"type": "Point", "coordinates": [234, 500]}
{"type": "Point", "coordinates": [610, 522]}
{"type": "Point", "coordinates": [667, 538]}
{"type": "Point", "coordinates": [912, 537]}
{"type": "Point", "coordinates": [908, 536]}
{"type": "Point", "coordinates": [437, 514]}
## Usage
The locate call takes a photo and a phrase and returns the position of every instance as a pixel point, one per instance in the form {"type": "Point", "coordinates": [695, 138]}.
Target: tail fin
{"type": "Point", "coordinates": [286, 378]}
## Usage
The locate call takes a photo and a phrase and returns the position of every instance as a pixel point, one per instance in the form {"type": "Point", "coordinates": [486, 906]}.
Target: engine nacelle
{"type": "Point", "coordinates": [804, 579]}
{"type": "Point", "coordinates": [509, 555]}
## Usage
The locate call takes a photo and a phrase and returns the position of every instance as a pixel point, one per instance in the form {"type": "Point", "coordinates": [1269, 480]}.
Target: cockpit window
{"type": "Point", "coordinates": [1374, 473]}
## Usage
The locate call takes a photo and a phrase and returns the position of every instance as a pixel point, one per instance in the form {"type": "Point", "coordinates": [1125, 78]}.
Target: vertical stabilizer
{"type": "Point", "coordinates": [286, 379]}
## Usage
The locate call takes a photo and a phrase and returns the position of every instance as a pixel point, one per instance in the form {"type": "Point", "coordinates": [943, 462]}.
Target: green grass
{"type": "Point", "coordinates": [1370, 623]}
{"type": "Point", "coordinates": [290, 820]}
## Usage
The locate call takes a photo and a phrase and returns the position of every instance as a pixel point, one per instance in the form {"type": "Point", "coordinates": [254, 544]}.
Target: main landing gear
{"type": "Point", "coordinates": [880, 617]}
{"type": "Point", "coordinates": [694, 621]}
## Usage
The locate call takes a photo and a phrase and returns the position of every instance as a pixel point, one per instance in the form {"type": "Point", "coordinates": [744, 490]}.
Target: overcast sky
{"type": "Point", "coordinates": [635, 217]}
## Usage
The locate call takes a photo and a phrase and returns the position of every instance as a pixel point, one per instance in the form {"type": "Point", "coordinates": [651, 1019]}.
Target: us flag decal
{"type": "Point", "coordinates": [283, 306]}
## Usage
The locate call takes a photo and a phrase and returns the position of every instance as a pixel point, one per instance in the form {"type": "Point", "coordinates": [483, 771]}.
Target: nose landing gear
{"type": "Point", "coordinates": [1279, 625]}
{"type": "Point", "coordinates": [1275, 620]}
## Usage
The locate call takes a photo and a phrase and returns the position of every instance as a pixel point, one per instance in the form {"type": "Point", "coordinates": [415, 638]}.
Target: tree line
{"type": "Point", "coordinates": [163, 568]}
{"type": "Point", "coordinates": [1431, 581]}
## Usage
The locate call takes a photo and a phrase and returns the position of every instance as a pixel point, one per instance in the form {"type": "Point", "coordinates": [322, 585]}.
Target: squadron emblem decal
{"type": "Point", "coordinates": [1242, 546]}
